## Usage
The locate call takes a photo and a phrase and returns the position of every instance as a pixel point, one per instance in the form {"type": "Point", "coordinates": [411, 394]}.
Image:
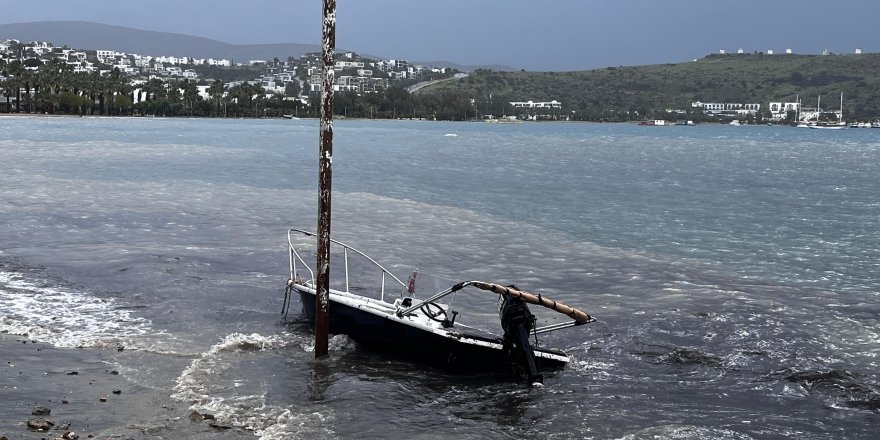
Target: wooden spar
{"type": "Point", "coordinates": [325, 178]}
{"type": "Point", "coordinates": [579, 316]}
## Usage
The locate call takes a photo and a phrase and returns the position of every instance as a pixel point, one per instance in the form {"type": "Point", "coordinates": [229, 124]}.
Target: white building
{"type": "Point", "coordinates": [221, 63]}
{"type": "Point", "coordinates": [532, 104]}
{"type": "Point", "coordinates": [730, 108]}
{"type": "Point", "coordinates": [779, 110]}
{"type": "Point", "coordinates": [349, 64]}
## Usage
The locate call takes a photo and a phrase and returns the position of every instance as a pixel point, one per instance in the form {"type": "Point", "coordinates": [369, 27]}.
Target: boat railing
{"type": "Point", "coordinates": [296, 257]}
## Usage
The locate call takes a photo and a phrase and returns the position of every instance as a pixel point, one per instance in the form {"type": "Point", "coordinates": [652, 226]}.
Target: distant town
{"type": "Point", "coordinates": [39, 78]}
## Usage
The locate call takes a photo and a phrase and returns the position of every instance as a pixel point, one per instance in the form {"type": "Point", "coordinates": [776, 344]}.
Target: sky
{"type": "Point", "coordinates": [535, 35]}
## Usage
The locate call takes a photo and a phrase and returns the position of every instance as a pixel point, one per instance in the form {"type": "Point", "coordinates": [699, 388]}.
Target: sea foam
{"type": "Point", "coordinates": [65, 317]}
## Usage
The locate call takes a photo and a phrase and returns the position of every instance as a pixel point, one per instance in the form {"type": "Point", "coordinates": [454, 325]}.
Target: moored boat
{"type": "Point", "coordinates": [654, 123]}
{"type": "Point", "coordinates": [426, 330]}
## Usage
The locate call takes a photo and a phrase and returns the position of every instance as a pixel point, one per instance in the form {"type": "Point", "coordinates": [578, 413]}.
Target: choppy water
{"type": "Point", "coordinates": [733, 270]}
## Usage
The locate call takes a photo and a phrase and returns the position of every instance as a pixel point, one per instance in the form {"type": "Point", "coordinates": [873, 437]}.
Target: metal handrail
{"type": "Point", "coordinates": [294, 256]}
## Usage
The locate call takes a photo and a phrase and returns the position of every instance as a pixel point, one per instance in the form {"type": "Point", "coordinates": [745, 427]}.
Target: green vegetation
{"type": "Point", "coordinates": [609, 94]}
{"type": "Point", "coordinates": [628, 93]}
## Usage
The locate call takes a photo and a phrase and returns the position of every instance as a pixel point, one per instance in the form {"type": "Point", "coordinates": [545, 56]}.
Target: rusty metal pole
{"type": "Point", "coordinates": [325, 178]}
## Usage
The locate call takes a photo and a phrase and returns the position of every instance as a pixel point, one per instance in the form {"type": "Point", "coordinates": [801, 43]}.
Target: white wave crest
{"type": "Point", "coordinates": [198, 384]}
{"type": "Point", "coordinates": [65, 317]}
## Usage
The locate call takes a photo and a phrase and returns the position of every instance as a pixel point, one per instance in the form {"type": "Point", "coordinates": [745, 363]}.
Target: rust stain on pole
{"type": "Point", "coordinates": [325, 178]}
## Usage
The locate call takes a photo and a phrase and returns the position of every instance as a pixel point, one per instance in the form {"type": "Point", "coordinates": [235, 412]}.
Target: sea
{"type": "Point", "coordinates": [734, 272]}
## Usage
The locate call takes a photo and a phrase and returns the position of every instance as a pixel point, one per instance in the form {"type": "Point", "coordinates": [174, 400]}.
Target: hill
{"type": "Point", "coordinates": [90, 36]}
{"type": "Point", "coordinates": [744, 78]}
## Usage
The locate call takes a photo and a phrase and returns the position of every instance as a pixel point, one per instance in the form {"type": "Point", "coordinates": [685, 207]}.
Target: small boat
{"type": "Point", "coordinates": [821, 126]}
{"type": "Point", "coordinates": [735, 123]}
{"type": "Point", "coordinates": [654, 123]}
{"type": "Point", "coordinates": [387, 317]}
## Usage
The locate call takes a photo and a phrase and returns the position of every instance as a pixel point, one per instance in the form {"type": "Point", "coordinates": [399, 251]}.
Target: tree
{"type": "Point", "coordinates": [292, 89]}
{"type": "Point", "coordinates": [190, 94]}
{"type": "Point", "coordinates": [174, 97]}
{"type": "Point", "coordinates": [216, 92]}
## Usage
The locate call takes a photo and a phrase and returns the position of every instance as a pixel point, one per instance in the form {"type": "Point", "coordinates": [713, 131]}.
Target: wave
{"type": "Point", "coordinates": [44, 311]}
{"type": "Point", "coordinates": [685, 432]}
{"type": "Point", "coordinates": [849, 388]}
{"type": "Point", "coordinates": [202, 385]}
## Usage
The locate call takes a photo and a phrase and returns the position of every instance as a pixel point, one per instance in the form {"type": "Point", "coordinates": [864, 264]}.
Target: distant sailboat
{"type": "Point", "coordinates": [800, 124]}
{"type": "Point", "coordinates": [839, 125]}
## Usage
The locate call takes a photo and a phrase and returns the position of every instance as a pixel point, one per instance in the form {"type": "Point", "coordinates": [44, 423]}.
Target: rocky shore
{"type": "Point", "coordinates": [53, 393]}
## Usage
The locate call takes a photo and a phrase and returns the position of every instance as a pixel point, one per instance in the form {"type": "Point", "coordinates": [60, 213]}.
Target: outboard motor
{"type": "Point", "coordinates": [517, 321]}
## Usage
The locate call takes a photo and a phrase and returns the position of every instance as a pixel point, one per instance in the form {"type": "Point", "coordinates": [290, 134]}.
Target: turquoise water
{"type": "Point", "coordinates": [733, 270]}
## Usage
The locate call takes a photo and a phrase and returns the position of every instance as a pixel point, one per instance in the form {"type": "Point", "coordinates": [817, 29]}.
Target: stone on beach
{"type": "Point", "coordinates": [40, 424]}
{"type": "Point", "coordinates": [40, 410]}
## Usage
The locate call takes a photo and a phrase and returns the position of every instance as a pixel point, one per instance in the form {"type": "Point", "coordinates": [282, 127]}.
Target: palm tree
{"type": "Point", "coordinates": [94, 88]}
{"type": "Point", "coordinates": [216, 92]}
{"type": "Point", "coordinates": [174, 96]}
{"type": "Point", "coordinates": [190, 94]}
{"type": "Point", "coordinates": [48, 80]}
{"type": "Point", "coordinates": [16, 72]}
{"type": "Point", "coordinates": [9, 85]}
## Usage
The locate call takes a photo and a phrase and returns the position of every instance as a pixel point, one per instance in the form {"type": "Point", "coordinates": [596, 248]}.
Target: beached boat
{"type": "Point", "coordinates": [389, 318]}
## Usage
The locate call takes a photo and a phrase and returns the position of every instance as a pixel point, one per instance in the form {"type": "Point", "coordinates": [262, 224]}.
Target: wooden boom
{"type": "Point", "coordinates": [579, 316]}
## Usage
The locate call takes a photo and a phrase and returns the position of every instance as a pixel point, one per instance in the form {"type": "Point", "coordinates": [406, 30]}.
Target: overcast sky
{"type": "Point", "coordinates": [536, 35]}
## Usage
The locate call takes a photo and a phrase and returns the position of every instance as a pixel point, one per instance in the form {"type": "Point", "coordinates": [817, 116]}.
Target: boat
{"type": "Point", "coordinates": [654, 123]}
{"type": "Point", "coordinates": [824, 125]}
{"type": "Point", "coordinates": [735, 123]}
{"type": "Point", "coordinates": [388, 318]}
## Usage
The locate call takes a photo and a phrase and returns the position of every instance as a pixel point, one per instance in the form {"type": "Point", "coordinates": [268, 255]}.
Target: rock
{"type": "Point", "coordinates": [117, 391]}
{"type": "Point", "coordinates": [72, 373]}
{"type": "Point", "coordinates": [40, 424]}
{"type": "Point", "coordinates": [41, 411]}
{"type": "Point", "coordinates": [64, 401]}
{"type": "Point", "coordinates": [114, 372]}
{"type": "Point", "coordinates": [198, 417]}
{"type": "Point", "coordinates": [3, 437]}
{"type": "Point", "coordinates": [70, 435]}
{"type": "Point", "coordinates": [219, 426]}
{"type": "Point", "coordinates": [102, 399]}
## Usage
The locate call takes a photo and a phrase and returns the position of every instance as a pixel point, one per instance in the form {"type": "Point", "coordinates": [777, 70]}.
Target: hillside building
{"type": "Point", "coordinates": [780, 110]}
{"type": "Point", "coordinates": [532, 104]}
{"type": "Point", "coordinates": [727, 108]}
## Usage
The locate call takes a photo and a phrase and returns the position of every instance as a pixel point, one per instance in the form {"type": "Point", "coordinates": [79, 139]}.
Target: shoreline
{"type": "Point", "coordinates": [88, 396]}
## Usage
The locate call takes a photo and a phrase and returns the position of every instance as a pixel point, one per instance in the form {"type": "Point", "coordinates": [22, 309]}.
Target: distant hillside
{"type": "Point", "coordinates": [744, 78]}
{"type": "Point", "coordinates": [91, 36]}
{"type": "Point", "coordinates": [86, 35]}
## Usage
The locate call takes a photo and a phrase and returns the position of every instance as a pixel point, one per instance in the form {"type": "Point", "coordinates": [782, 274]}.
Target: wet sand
{"type": "Point", "coordinates": [88, 397]}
